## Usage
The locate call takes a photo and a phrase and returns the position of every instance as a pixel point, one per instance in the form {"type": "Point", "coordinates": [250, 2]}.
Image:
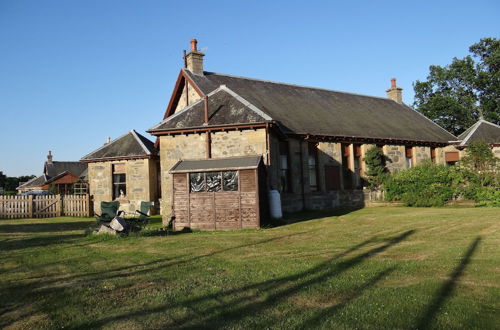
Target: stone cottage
{"type": "Point", "coordinates": [482, 130]}
{"type": "Point", "coordinates": [311, 140]}
{"type": "Point", "coordinates": [125, 169]}
{"type": "Point", "coordinates": [59, 177]}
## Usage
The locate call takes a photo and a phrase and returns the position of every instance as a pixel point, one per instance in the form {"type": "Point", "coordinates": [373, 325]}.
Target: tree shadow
{"type": "Point", "coordinates": [448, 287]}
{"type": "Point", "coordinates": [45, 227]}
{"type": "Point", "coordinates": [227, 307]}
{"type": "Point", "coordinates": [41, 241]}
{"type": "Point", "coordinates": [130, 271]}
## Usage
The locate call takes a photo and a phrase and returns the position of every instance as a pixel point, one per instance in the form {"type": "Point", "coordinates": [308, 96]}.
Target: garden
{"type": "Point", "coordinates": [381, 267]}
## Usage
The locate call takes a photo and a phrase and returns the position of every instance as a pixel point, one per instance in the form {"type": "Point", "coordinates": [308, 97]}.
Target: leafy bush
{"type": "Point", "coordinates": [376, 172]}
{"type": "Point", "coordinates": [425, 185]}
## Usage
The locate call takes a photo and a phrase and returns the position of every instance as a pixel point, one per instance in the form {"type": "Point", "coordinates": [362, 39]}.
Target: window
{"type": "Point", "coordinates": [312, 162]}
{"type": "Point", "coordinates": [409, 157]}
{"type": "Point", "coordinates": [119, 181]}
{"type": "Point", "coordinates": [346, 171]}
{"type": "Point", "coordinates": [213, 181]}
{"type": "Point", "coordinates": [285, 178]}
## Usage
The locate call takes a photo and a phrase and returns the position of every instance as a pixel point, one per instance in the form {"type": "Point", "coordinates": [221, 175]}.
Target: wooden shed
{"type": "Point", "coordinates": [214, 194]}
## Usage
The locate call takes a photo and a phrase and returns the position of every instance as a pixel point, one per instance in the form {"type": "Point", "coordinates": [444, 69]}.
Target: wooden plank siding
{"type": "Point", "coordinates": [222, 210]}
{"type": "Point", "coordinates": [17, 207]}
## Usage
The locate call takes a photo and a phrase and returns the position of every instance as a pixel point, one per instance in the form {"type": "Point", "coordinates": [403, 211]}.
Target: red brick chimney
{"type": "Point", "coordinates": [194, 59]}
{"type": "Point", "coordinates": [395, 93]}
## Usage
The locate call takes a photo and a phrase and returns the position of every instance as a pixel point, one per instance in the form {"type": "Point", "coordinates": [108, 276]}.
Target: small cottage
{"type": "Point", "coordinates": [125, 170]}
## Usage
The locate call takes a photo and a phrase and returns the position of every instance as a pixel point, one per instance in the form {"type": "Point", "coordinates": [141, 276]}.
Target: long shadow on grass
{"type": "Point", "coordinates": [39, 241]}
{"type": "Point", "coordinates": [45, 227]}
{"type": "Point", "coordinates": [228, 307]}
{"type": "Point", "coordinates": [45, 286]}
{"type": "Point", "coordinates": [448, 287]}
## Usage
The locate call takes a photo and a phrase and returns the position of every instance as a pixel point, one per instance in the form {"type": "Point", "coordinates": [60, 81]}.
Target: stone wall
{"type": "Point", "coordinates": [141, 183]}
{"type": "Point", "coordinates": [396, 158]}
{"type": "Point", "coordinates": [421, 154]}
{"type": "Point", "coordinates": [183, 101]}
{"type": "Point", "coordinates": [496, 151]}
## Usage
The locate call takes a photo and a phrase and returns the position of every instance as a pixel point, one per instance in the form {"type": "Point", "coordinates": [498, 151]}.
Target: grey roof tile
{"type": "Point", "coordinates": [307, 110]}
{"type": "Point", "coordinates": [131, 144]}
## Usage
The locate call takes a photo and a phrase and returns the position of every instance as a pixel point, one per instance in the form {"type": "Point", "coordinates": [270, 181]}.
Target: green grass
{"type": "Point", "coordinates": [386, 267]}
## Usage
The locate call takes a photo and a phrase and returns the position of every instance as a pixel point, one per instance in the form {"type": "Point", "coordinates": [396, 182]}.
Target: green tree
{"type": "Point", "coordinates": [455, 96]}
{"type": "Point", "coordinates": [3, 179]}
{"type": "Point", "coordinates": [376, 172]}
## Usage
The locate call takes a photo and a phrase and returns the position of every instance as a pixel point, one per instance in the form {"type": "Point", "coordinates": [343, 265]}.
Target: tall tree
{"type": "Point", "coordinates": [457, 95]}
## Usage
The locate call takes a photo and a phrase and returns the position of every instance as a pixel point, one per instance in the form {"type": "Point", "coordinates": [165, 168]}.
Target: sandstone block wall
{"type": "Point", "coordinates": [396, 158]}
{"type": "Point", "coordinates": [421, 154]}
{"type": "Point", "coordinates": [139, 179]}
{"type": "Point", "coordinates": [192, 96]}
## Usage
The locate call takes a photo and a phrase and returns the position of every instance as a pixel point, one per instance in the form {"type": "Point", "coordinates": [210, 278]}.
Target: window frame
{"type": "Point", "coordinates": [118, 179]}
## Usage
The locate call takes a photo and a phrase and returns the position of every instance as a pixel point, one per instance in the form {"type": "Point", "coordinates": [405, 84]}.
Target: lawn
{"type": "Point", "coordinates": [385, 267]}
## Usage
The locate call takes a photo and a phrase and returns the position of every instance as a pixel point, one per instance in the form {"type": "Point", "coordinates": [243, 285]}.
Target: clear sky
{"type": "Point", "coordinates": [74, 72]}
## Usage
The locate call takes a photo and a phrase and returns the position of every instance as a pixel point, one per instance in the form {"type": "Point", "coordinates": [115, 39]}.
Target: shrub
{"type": "Point", "coordinates": [424, 185]}
{"type": "Point", "coordinates": [376, 172]}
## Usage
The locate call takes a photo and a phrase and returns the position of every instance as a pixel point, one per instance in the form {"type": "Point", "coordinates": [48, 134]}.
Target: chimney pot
{"type": "Point", "coordinates": [49, 157]}
{"type": "Point", "coordinates": [194, 45]}
{"type": "Point", "coordinates": [108, 140]}
{"type": "Point", "coordinates": [393, 83]}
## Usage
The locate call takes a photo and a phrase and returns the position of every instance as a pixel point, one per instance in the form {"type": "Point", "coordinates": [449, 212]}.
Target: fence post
{"type": "Point", "coordinates": [30, 206]}
{"type": "Point", "coordinates": [87, 204]}
{"type": "Point", "coordinates": [59, 205]}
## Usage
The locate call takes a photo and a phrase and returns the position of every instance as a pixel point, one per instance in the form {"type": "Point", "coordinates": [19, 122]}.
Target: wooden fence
{"type": "Point", "coordinates": [13, 207]}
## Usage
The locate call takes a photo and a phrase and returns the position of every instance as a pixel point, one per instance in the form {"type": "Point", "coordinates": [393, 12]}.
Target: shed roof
{"type": "Point", "coordinates": [482, 130]}
{"type": "Point", "coordinates": [216, 164]}
{"type": "Point", "coordinates": [129, 145]}
{"type": "Point", "coordinates": [308, 110]}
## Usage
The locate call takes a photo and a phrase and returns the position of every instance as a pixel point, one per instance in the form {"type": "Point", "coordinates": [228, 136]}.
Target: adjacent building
{"type": "Point", "coordinates": [125, 169]}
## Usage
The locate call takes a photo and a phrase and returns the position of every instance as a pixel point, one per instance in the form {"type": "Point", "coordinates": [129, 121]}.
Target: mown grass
{"type": "Point", "coordinates": [386, 267]}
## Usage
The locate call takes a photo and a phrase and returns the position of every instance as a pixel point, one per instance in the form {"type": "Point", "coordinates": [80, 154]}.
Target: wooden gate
{"type": "Point", "coordinates": [15, 207]}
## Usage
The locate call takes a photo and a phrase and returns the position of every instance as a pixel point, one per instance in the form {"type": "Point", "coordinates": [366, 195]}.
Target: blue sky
{"type": "Point", "coordinates": [74, 72]}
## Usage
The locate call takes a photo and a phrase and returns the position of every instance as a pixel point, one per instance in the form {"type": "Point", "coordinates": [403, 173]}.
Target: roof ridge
{"type": "Point", "coordinates": [297, 85]}
{"type": "Point", "coordinates": [136, 136]}
{"type": "Point", "coordinates": [472, 131]}
{"type": "Point", "coordinates": [246, 103]}
{"type": "Point", "coordinates": [105, 145]}
{"type": "Point", "coordinates": [488, 122]}
{"type": "Point", "coordinates": [29, 181]}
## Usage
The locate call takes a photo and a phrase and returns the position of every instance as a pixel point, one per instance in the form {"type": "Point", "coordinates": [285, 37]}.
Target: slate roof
{"type": "Point", "coordinates": [35, 182]}
{"type": "Point", "coordinates": [305, 110]}
{"type": "Point", "coordinates": [131, 144]}
{"type": "Point", "coordinates": [482, 130]}
{"type": "Point", "coordinates": [56, 168]}
{"type": "Point", "coordinates": [215, 164]}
